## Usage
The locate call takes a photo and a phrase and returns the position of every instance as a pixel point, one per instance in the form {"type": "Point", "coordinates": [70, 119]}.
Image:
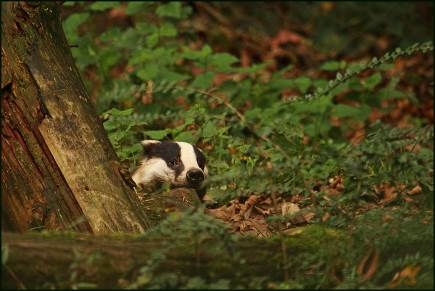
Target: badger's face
{"type": "Point", "coordinates": [178, 163]}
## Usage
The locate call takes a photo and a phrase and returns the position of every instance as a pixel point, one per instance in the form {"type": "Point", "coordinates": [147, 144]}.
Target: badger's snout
{"type": "Point", "coordinates": [195, 177]}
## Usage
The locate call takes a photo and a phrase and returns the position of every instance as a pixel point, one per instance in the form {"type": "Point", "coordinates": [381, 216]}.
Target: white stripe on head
{"type": "Point", "coordinates": [188, 157]}
{"type": "Point", "coordinates": [149, 141]}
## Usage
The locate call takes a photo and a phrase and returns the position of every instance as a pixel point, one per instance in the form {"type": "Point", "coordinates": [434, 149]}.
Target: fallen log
{"type": "Point", "coordinates": [160, 259]}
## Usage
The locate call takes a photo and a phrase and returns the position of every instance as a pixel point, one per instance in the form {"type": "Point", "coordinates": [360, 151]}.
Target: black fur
{"type": "Point", "coordinates": [201, 193]}
{"type": "Point", "coordinates": [169, 152]}
{"type": "Point", "coordinates": [200, 158]}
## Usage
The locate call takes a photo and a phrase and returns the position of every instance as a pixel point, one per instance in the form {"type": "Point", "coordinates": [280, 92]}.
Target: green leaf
{"type": "Point", "coordinates": [117, 112]}
{"type": "Point", "coordinates": [172, 9]}
{"type": "Point", "coordinates": [70, 3]}
{"type": "Point", "coordinates": [135, 7]}
{"type": "Point", "coordinates": [209, 130]}
{"type": "Point", "coordinates": [222, 60]}
{"type": "Point", "coordinates": [117, 136]}
{"type": "Point", "coordinates": [372, 81]}
{"type": "Point", "coordinates": [387, 93]}
{"type": "Point", "coordinates": [354, 84]}
{"type": "Point", "coordinates": [140, 56]}
{"type": "Point", "coordinates": [127, 152]}
{"type": "Point", "coordinates": [302, 83]}
{"type": "Point", "coordinates": [360, 113]}
{"type": "Point", "coordinates": [152, 40]}
{"type": "Point", "coordinates": [73, 21]}
{"type": "Point", "coordinates": [171, 76]}
{"type": "Point", "coordinates": [333, 66]}
{"type": "Point", "coordinates": [203, 81]}
{"type": "Point", "coordinates": [248, 70]}
{"type": "Point", "coordinates": [108, 58]}
{"type": "Point", "coordinates": [167, 29]}
{"type": "Point", "coordinates": [195, 55]}
{"type": "Point", "coordinates": [157, 134]}
{"type": "Point", "coordinates": [110, 35]}
{"type": "Point", "coordinates": [103, 5]}
{"type": "Point", "coordinates": [148, 71]}
{"type": "Point", "coordinates": [386, 67]}
{"type": "Point", "coordinates": [186, 136]}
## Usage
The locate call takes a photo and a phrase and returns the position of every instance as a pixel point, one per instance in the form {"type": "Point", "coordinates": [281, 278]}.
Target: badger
{"type": "Point", "coordinates": [178, 163]}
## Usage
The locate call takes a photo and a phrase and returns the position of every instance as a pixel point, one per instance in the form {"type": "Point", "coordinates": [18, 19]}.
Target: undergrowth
{"type": "Point", "coordinates": [267, 133]}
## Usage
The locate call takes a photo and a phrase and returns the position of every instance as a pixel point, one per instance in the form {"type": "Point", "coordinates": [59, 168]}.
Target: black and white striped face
{"type": "Point", "coordinates": [178, 163]}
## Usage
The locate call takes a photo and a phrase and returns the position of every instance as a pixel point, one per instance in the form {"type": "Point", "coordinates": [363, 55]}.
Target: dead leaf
{"type": "Point", "coordinates": [147, 98]}
{"type": "Point", "coordinates": [415, 148]}
{"type": "Point", "coordinates": [218, 213]}
{"type": "Point", "coordinates": [262, 211]}
{"type": "Point", "coordinates": [226, 212]}
{"type": "Point", "coordinates": [417, 189]}
{"type": "Point", "coordinates": [308, 216]}
{"type": "Point", "coordinates": [288, 208]}
{"type": "Point", "coordinates": [408, 199]}
{"type": "Point", "coordinates": [245, 58]}
{"type": "Point", "coordinates": [326, 216]}
{"type": "Point", "coordinates": [406, 276]}
{"type": "Point", "coordinates": [285, 36]}
{"type": "Point", "coordinates": [267, 201]}
{"type": "Point", "coordinates": [389, 192]}
{"type": "Point", "coordinates": [368, 265]}
{"type": "Point", "coordinates": [249, 204]}
{"type": "Point", "coordinates": [332, 192]}
{"type": "Point", "coordinates": [181, 100]}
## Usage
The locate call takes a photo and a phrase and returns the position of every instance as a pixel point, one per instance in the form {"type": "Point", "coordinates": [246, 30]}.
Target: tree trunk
{"type": "Point", "coordinates": [59, 170]}
{"type": "Point", "coordinates": [114, 261]}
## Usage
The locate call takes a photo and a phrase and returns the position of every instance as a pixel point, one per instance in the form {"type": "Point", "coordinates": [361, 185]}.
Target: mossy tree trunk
{"type": "Point", "coordinates": [59, 170]}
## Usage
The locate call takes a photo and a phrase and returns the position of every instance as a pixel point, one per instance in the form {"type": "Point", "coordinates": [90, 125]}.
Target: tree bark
{"type": "Point", "coordinates": [59, 170]}
{"type": "Point", "coordinates": [115, 261]}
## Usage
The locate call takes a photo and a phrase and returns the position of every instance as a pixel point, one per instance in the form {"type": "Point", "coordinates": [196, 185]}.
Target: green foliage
{"type": "Point", "coordinates": [119, 126]}
{"type": "Point", "coordinates": [189, 226]}
{"type": "Point", "coordinates": [342, 78]}
{"type": "Point", "coordinates": [258, 140]}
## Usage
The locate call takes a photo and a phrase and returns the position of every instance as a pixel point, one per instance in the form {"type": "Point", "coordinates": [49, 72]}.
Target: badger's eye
{"type": "Point", "coordinates": [174, 163]}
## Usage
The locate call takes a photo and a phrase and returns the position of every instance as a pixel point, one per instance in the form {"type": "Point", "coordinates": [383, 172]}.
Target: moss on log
{"type": "Point", "coordinates": [128, 260]}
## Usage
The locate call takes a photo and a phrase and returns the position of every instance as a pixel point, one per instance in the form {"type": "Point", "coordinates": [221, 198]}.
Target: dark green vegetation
{"type": "Point", "coordinates": [282, 125]}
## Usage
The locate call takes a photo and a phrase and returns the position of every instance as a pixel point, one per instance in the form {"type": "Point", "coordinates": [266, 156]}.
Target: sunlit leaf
{"type": "Point", "coordinates": [172, 9]}
{"type": "Point", "coordinates": [103, 5]}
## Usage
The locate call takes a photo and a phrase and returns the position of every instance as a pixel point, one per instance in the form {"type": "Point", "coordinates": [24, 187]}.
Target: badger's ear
{"type": "Point", "coordinates": [148, 145]}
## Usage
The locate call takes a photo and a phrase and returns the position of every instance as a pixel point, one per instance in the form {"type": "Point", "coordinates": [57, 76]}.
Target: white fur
{"type": "Point", "coordinates": [149, 141]}
{"type": "Point", "coordinates": [188, 158]}
{"type": "Point", "coordinates": [151, 171]}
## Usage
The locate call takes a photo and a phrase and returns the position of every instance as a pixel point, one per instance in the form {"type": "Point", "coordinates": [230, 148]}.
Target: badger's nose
{"type": "Point", "coordinates": [195, 176]}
